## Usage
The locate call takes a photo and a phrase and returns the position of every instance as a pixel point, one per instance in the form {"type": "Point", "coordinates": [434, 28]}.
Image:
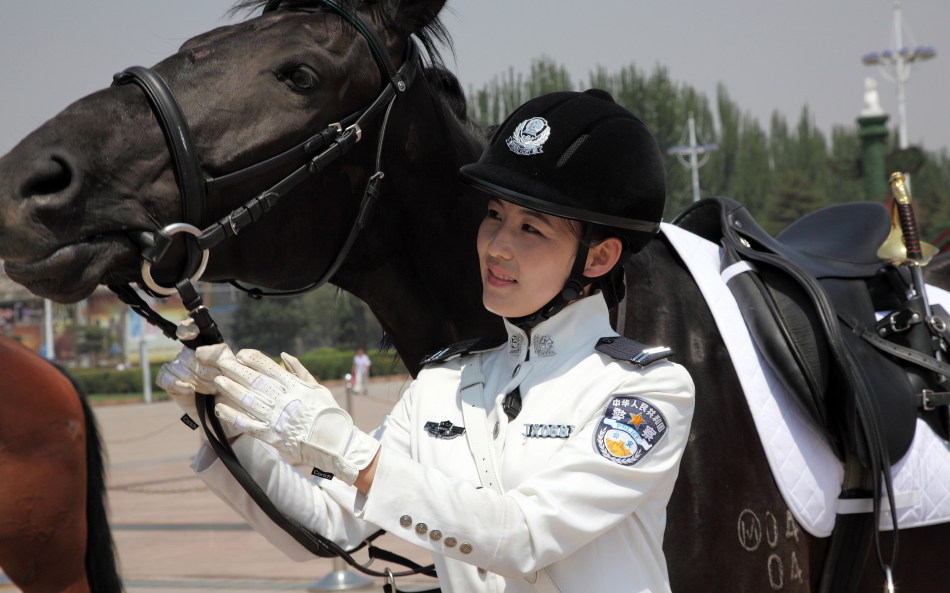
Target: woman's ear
{"type": "Point", "coordinates": [601, 258]}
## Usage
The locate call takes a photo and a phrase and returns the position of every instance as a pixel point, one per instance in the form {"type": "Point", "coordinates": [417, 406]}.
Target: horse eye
{"type": "Point", "coordinates": [300, 78]}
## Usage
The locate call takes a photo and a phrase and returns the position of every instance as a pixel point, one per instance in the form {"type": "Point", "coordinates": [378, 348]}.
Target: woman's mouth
{"type": "Point", "coordinates": [498, 278]}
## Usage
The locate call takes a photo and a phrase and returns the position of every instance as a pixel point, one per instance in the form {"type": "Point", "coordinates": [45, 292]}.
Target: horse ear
{"type": "Point", "coordinates": [414, 15]}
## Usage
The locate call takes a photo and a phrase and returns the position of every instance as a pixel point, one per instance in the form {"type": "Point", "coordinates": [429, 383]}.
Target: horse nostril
{"type": "Point", "coordinates": [50, 177]}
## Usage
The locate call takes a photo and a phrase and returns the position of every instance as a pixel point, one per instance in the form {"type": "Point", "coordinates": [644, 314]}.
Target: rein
{"type": "Point", "coordinates": [313, 155]}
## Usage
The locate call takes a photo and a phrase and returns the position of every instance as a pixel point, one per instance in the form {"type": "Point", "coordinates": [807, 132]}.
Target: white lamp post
{"type": "Point", "coordinates": [896, 66]}
{"type": "Point", "coordinates": [693, 151]}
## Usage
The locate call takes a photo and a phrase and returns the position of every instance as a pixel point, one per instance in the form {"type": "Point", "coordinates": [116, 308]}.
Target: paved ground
{"type": "Point", "coordinates": [171, 534]}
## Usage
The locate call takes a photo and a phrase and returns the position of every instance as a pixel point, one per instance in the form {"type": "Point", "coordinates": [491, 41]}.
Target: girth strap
{"type": "Point", "coordinates": [902, 352]}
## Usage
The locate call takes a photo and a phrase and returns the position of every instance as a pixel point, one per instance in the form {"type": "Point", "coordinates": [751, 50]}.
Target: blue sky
{"type": "Point", "coordinates": [772, 55]}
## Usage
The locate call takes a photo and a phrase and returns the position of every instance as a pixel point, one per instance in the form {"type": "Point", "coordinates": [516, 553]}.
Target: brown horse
{"type": "Point", "coordinates": [82, 195]}
{"type": "Point", "coordinates": [53, 530]}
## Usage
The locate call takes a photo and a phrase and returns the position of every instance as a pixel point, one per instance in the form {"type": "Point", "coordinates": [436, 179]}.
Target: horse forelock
{"type": "Point", "coordinates": [433, 35]}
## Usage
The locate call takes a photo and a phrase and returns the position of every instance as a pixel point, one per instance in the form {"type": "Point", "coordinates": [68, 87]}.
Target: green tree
{"type": "Point", "coordinates": [793, 197]}
{"type": "Point", "coordinates": [755, 164]}
{"type": "Point", "coordinates": [327, 317]}
{"type": "Point", "coordinates": [271, 325]}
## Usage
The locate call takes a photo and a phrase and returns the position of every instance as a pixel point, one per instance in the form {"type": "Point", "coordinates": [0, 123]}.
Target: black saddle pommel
{"type": "Point", "coordinates": [464, 347]}
{"type": "Point", "coordinates": [633, 351]}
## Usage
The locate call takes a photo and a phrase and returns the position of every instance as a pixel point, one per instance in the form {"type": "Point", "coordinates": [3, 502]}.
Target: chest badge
{"type": "Point", "coordinates": [444, 430]}
{"type": "Point", "coordinates": [630, 429]}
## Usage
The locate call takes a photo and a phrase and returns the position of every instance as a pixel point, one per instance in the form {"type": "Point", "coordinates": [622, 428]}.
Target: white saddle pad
{"type": "Point", "coordinates": [807, 472]}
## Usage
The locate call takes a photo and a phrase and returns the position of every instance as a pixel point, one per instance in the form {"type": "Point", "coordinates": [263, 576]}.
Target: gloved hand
{"type": "Point", "coordinates": [289, 410]}
{"type": "Point", "coordinates": [182, 378]}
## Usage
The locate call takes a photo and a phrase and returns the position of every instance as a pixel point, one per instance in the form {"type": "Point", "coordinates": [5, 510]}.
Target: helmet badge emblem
{"type": "Point", "coordinates": [529, 137]}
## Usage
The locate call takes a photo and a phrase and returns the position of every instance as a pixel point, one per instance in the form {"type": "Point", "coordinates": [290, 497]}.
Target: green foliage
{"type": "Point", "coordinates": [110, 381]}
{"type": "Point", "coordinates": [491, 104]}
{"type": "Point", "coordinates": [326, 364]}
{"type": "Point", "coordinates": [329, 364]}
{"type": "Point", "coordinates": [327, 317]}
{"type": "Point", "coordinates": [778, 171]}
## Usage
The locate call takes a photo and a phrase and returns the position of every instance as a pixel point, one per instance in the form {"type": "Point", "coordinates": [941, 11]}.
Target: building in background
{"type": "Point", "coordinates": [101, 331]}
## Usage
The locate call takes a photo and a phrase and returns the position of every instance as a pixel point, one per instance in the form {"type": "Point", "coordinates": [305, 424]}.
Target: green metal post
{"type": "Point", "coordinates": [873, 134]}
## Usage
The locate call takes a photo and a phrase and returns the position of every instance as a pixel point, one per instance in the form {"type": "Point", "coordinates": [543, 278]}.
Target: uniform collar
{"type": "Point", "coordinates": [581, 322]}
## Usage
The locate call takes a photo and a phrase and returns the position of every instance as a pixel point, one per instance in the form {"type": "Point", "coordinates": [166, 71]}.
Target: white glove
{"type": "Point", "coordinates": [289, 410]}
{"type": "Point", "coordinates": [182, 378]}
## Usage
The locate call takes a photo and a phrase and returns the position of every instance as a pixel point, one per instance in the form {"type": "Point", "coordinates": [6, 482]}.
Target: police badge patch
{"type": "Point", "coordinates": [529, 136]}
{"type": "Point", "coordinates": [630, 429]}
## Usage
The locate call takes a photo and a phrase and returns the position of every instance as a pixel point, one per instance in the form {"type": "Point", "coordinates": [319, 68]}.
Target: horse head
{"type": "Point", "coordinates": [81, 192]}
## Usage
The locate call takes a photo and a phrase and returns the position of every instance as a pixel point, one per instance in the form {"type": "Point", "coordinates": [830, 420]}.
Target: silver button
{"type": "Point", "coordinates": [405, 520]}
{"type": "Point", "coordinates": [450, 542]}
{"type": "Point", "coordinates": [421, 528]}
{"type": "Point", "coordinates": [494, 434]}
{"type": "Point", "coordinates": [435, 535]}
{"type": "Point", "coordinates": [465, 548]}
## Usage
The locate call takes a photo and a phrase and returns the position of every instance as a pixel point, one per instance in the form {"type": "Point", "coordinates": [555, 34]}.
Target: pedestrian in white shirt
{"type": "Point", "coordinates": [360, 371]}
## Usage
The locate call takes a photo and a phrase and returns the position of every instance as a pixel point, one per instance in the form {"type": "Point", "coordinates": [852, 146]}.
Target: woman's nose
{"type": "Point", "coordinates": [500, 243]}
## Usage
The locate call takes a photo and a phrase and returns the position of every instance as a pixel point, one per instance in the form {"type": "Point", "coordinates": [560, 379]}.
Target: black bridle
{"type": "Point", "coordinates": [311, 156]}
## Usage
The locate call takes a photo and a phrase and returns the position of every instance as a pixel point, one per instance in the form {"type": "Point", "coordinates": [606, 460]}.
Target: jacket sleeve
{"type": "Point", "coordinates": [575, 498]}
{"type": "Point", "coordinates": [323, 506]}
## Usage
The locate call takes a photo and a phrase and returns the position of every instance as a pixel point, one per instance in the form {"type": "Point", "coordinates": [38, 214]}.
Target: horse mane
{"type": "Point", "coordinates": [432, 35]}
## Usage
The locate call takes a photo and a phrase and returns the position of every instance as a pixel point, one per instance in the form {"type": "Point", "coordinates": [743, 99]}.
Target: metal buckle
{"type": "Point", "coordinates": [178, 227]}
{"type": "Point", "coordinates": [897, 322]}
{"type": "Point", "coordinates": [359, 132]}
{"type": "Point", "coordinates": [391, 578]}
{"type": "Point", "coordinates": [925, 399]}
{"type": "Point", "coordinates": [938, 324]}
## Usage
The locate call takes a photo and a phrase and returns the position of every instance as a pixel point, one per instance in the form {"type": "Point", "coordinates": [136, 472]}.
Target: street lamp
{"type": "Point", "coordinates": [693, 150]}
{"type": "Point", "coordinates": [896, 66]}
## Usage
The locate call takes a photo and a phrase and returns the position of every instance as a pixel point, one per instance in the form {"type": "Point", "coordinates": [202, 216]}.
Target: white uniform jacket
{"type": "Point", "coordinates": [586, 469]}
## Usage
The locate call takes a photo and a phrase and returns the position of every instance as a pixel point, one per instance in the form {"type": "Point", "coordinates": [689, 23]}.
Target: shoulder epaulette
{"type": "Point", "coordinates": [463, 348]}
{"type": "Point", "coordinates": [633, 351]}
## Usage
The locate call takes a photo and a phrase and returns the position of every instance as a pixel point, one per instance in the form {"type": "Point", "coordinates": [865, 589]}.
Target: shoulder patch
{"type": "Point", "coordinates": [633, 351]}
{"type": "Point", "coordinates": [629, 431]}
{"type": "Point", "coordinates": [463, 348]}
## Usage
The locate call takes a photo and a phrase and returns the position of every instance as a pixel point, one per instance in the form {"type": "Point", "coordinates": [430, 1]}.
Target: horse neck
{"type": "Point", "coordinates": [416, 266]}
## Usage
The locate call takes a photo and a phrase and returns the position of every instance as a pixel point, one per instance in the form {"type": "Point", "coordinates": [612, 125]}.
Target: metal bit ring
{"type": "Point", "coordinates": [178, 227]}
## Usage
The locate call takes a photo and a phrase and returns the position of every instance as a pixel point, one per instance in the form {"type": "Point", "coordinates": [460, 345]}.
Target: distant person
{"type": "Point", "coordinates": [361, 364]}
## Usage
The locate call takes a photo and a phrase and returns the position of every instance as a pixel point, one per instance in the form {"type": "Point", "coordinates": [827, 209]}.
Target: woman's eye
{"type": "Point", "coordinates": [493, 214]}
{"type": "Point", "coordinates": [300, 78]}
{"type": "Point", "coordinates": [530, 229]}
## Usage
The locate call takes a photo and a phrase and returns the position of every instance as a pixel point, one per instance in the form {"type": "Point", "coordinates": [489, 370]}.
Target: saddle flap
{"type": "Point", "coordinates": [840, 240]}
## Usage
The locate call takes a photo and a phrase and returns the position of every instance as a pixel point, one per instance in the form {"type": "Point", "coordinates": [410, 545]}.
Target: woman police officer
{"type": "Point", "coordinates": [543, 462]}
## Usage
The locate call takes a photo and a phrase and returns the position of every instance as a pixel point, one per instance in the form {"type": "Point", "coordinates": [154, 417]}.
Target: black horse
{"type": "Point", "coordinates": [85, 193]}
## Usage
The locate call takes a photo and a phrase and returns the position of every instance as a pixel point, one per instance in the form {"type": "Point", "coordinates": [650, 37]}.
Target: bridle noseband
{"type": "Point", "coordinates": [310, 157]}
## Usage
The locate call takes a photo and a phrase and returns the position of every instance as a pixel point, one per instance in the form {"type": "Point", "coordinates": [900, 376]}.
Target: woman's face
{"type": "Point", "coordinates": [525, 257]}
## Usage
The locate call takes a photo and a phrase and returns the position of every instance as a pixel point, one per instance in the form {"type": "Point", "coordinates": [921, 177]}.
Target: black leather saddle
{"type": "Point", "coordinates": [806, 295]}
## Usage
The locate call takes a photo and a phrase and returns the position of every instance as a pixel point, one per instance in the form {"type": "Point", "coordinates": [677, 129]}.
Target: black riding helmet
{"type": "Point", "coordinates": [579, 156]}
